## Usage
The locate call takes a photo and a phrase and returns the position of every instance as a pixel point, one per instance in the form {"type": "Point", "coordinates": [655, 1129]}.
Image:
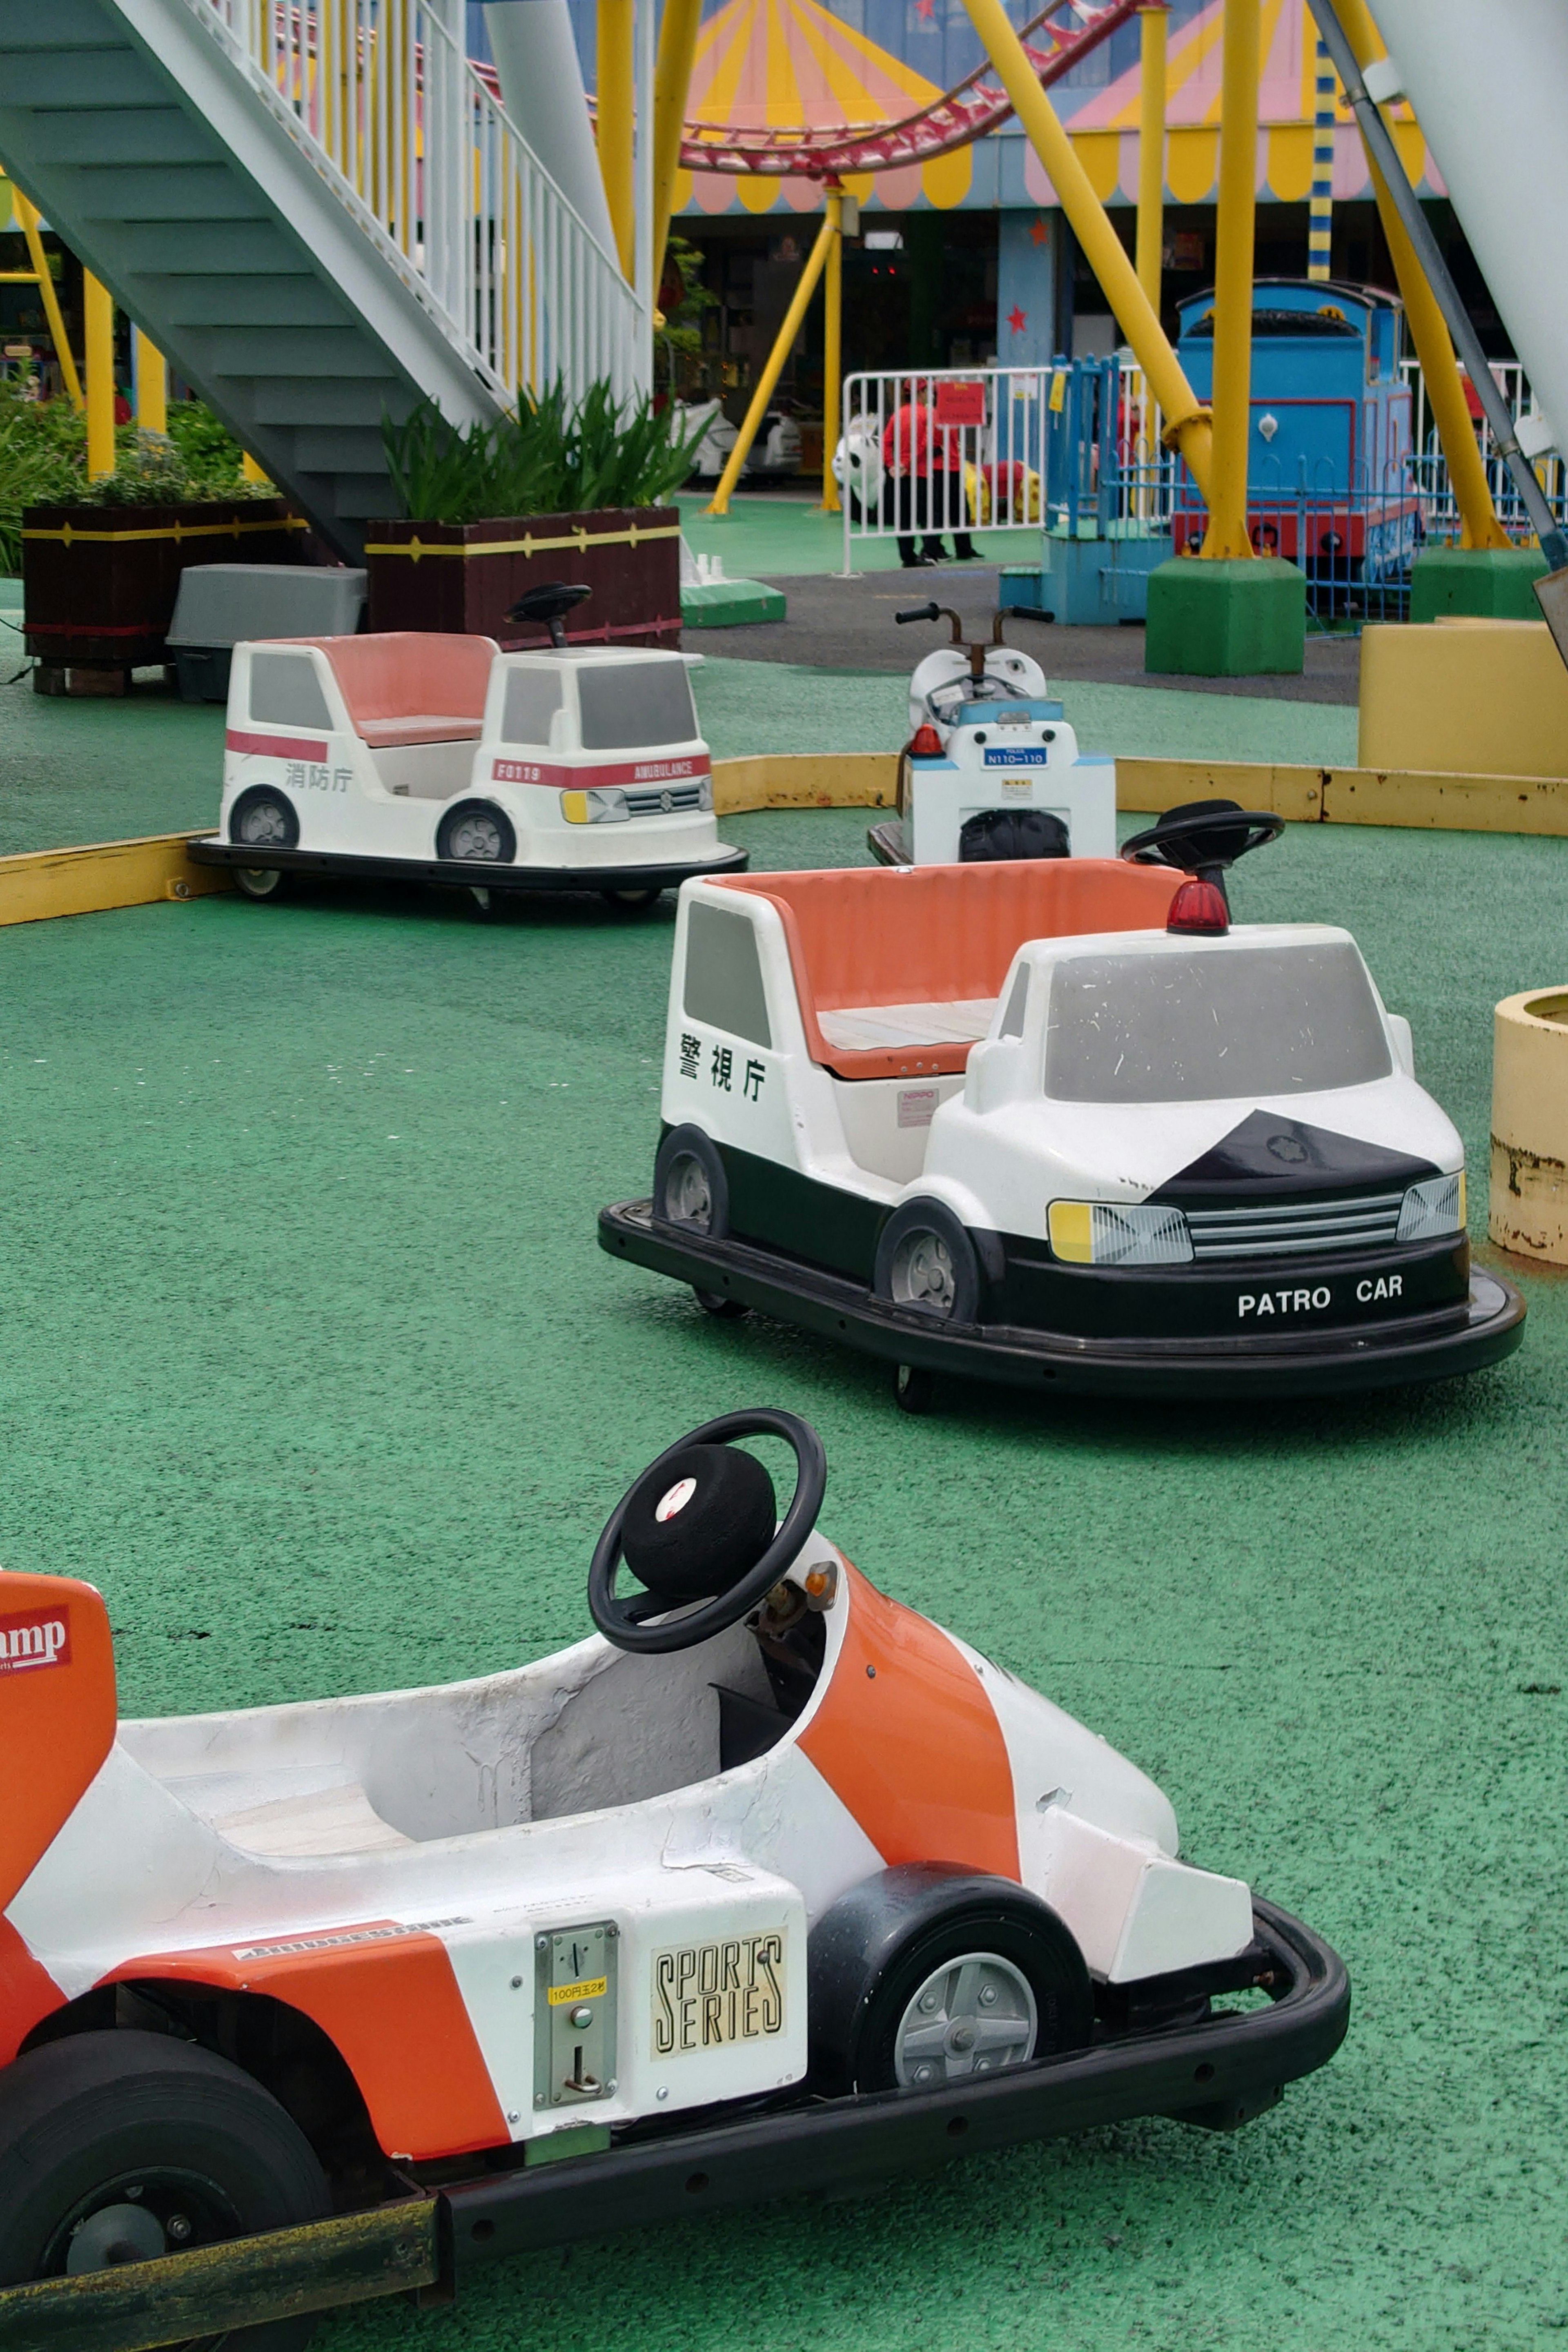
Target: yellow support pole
{"type": "Point", "coordinates": [1227, 535]}
{"type": "Point", "coordinates": [616, 114]}
{"type": "Point", "coordinates": [1151, 150]}
{"type": "Point", "coordinates": [98, 335]}
{"type": "Point", "coordinates": [1187, 420]}
{"type": "Point", "coordinates": [1478, 524]}
{"type": "Point", "coordinates": [815, 262]}
{"type": "Point", "coordinates": [152, 386]}
{"type": "Point", "coordinates": [27, 221]}
{"type": "Point", "coordinates": [832, 350]}
{"type": "Point", "coordinates": [252, 472]}
{"type": "Point", "coordinates": [672, 81]}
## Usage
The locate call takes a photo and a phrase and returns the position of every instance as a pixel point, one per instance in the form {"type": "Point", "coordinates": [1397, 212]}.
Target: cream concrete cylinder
{"type": "Point", "coordinates": [1528, 1208]}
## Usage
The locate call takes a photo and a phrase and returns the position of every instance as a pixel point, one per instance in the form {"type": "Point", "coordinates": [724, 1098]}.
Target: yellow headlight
{"type": "Point", "coordinates": [1069, 1225]}
{"type": "Point", "coordinates": [575, 807]}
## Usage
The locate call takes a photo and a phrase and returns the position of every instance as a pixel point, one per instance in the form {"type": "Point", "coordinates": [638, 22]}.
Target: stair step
{"type": "Point", "coordinates": [188, 194]}
{"type": "Point", "coordinates": [54, 25]}
{"type": "Point", "coordinates": [340, 449]}
{"type": "Point", "coordinates": [309, 400]}
{"type": "Point", "coordinates": [129, 134]}
{"type": "Point", "coordinates": [188, 249]}
{"type": "Point", "coordinates": [300, 302]}
{"type": "Point", "coordinates": [333, 351]}
{"type": "Point", "coordinates": [60, 79]}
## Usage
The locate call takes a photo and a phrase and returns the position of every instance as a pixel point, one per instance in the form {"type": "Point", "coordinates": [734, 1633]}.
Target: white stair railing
{"type": "Point", "coordinates": [381, 95]}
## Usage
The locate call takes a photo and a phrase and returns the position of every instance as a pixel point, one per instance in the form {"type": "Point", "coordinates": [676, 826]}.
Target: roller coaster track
{"type": "Point", "coordinates": [958, 117]}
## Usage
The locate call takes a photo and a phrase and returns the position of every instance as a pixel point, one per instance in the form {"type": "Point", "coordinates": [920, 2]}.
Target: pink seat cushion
{"type": "Point", "coordinates": [427, 728]}
{"type": "Point", "coordinates": [411, 686]}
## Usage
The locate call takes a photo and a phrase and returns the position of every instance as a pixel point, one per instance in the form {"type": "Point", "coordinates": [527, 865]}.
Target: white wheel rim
{"type": "Point", "coordinates": [687, 1196]}
{"type": "Point", "coordinates": [264, 827]}
{"type": "Point", "coordinates": [922, 1272]}
{"type": "Point", "coordinates": [974, 2015]}
{"type": "Point", "coordinates": [477, 838]}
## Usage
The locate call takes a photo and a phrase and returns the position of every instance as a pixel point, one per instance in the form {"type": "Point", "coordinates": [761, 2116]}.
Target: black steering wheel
{"type": "Point", "coordinates": [549, 602]}
{"type": "Point", "coordinates": [1202, 837]}
{"type": "Point", "coordinates": [697, 1527]}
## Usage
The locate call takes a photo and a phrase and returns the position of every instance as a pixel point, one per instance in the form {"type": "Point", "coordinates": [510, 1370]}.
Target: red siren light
{"type": "Point", "coordinates": [926, 743]}
{"type": "Point", "coordinates": [1199, 908]}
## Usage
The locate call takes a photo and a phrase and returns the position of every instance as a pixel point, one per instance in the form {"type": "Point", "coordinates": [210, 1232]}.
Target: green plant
{"type": "Point", "coordinates": [683, 298]}
{"type": "Point", "coordinates": [548, 459]}
{"type": "Point", "coordinates": [43, 461]}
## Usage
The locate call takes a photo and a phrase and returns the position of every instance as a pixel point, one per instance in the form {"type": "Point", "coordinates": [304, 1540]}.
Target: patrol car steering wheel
{"type": "Point", "coordinates": [1202, 837]}
{"type": "Point", "coordinates": [704, 1512]}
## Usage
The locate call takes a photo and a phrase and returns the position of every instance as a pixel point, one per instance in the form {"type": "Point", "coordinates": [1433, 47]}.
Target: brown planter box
{"type": "Point", "coordinates": [463, 578]}
{"type": "Point", "coordinates": [101, 582]}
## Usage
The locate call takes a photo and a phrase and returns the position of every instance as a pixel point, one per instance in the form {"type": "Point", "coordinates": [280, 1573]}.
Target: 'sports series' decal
{"type": "Point", "coordinates": [708, 1994]}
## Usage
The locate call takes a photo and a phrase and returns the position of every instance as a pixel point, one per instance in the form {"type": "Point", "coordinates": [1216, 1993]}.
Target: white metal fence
{"type": "Point", "coordinates": [422, 154]}
{"type": "Point", "coordinates": [1437, 504]}
{"type": "Point", "coordinates": [929, 455]}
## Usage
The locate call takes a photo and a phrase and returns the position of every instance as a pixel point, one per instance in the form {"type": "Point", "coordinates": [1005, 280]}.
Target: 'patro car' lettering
{"type": "Point", "coordinates": [1260, 1303]}
{"type": "Point", "coordinates": [707, 1994]}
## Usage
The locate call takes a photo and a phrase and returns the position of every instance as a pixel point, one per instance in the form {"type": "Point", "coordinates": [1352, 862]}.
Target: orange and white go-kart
{"type": "Point", "coordinates": [769, 1884]}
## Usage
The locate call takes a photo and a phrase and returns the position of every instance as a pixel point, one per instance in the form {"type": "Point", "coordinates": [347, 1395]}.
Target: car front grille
{"type": "Point", "coordinates": [1288, 1228]}
{"type": "Point", "coordinates": [664, 800]}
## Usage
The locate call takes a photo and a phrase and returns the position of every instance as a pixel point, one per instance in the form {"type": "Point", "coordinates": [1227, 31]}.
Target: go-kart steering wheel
{"type": "Point", "coordinates": [1202, 837]}
{"type": "Point", "coordinates": [699, 1514]}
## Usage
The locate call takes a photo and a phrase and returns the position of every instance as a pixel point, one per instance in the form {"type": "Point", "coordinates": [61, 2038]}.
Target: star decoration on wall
{"type": "Point", "coordinates": [924, 7]}
{"type": "Point", "coordinates": [1018, 319]}
{"type": "Point", "coordinates": [1038, 232]}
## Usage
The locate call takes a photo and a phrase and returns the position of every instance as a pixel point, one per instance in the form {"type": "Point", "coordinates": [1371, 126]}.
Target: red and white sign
{"type": "Point", "coordinates": [961, 403]}
{"type": "Point", "coordinates": [624, 772]}
{"type": "Point", "coordinates": [35, 1637]}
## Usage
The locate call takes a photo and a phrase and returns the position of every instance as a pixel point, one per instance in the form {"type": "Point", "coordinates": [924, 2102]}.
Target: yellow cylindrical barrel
{"type": "Point", "coordinates": [1528, 1208]}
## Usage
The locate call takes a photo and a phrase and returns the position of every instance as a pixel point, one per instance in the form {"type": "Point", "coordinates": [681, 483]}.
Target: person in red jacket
{"type": "Point", "coordinates": [923, 463]}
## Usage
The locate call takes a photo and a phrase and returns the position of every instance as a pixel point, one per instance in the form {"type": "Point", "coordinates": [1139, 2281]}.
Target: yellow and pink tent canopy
{"type": "Point", "coordinates": [782, 84]}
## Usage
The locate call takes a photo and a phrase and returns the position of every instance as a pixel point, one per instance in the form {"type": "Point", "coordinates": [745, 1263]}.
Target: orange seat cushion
{"type": "Point", "coordinates": [939, 935]}
{"type": "Point", "coordinates": [411, 679]}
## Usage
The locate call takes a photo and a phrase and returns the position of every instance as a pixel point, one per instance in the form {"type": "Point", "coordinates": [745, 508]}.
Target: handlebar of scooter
{"type": "Point", "coordinates": [932, 612]}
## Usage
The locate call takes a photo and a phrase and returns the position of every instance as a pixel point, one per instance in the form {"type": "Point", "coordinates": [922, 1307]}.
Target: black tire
{"type": "Point", "coordinates": [926, 1263]}
{"type": "Point", "coordinates": [874, 1953]}
{"type": "Point", "coordinates": [714, 1303]}
{"type": "Point", "coordinates": [476, 832]}
{"type": "Point", "coordinates": [260, 882]}
{"type": "Point", "coordinates": [210, 2155]}
{"type": "Point", "coordinates": [690, 1187]}
{"type": "Point", "coordinates": [631, 902]}
{"type": "Point", "coordinates": [263, 817]}
{"type": "Point", "coordinates": [914, 1389]}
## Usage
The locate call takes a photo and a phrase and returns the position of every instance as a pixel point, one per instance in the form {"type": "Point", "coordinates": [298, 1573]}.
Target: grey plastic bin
{"type": "Point", "coordinates": [221, 604]}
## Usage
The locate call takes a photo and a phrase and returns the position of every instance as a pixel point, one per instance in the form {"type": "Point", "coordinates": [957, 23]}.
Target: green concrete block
{"type": "Point", "coordinates": [1245, 617]}
{"type": "Point", "coordinates": [729, 604]}
{"type": "Point", "coordinates": [1491, 584]}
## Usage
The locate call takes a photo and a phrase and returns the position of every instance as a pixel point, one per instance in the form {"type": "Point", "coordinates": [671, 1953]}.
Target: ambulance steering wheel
{"type": "Point", "coordinates": [697, 1527]}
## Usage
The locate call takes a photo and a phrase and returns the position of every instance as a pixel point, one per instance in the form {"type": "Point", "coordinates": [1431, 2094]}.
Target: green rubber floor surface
{"type": "Point", "coordinates": [312, 1361]}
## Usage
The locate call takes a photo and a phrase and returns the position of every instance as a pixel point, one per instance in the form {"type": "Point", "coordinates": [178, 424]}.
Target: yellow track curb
{"type": "Point", "coordinates": [102, 875]}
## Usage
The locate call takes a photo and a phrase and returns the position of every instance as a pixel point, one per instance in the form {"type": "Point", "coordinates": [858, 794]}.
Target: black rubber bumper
{"type": "Point", "coordinates": [465, 873]}
{"type": "Point", "coordinates": [1218, 2073]}
{"type": "Point", "coordinates": [1387, 1354]}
